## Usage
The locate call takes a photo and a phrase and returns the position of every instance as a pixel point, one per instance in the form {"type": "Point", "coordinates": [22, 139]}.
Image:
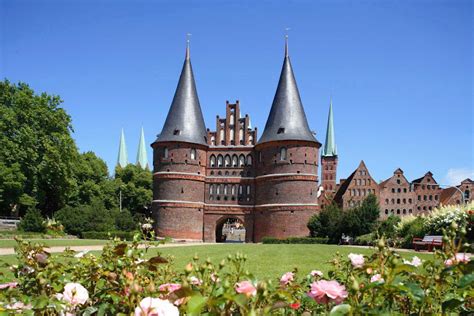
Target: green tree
{"type": "Point", "coordinates": [93, 182]}
{"type": "Point", "coordinates": [32, 222]}
{"type": "Point", "coordinates": [326, 223]}
{"type": "Point", "coordinates": [136, 186]}
{"type": "Point", "coordinates": [37, 150]}
{"type": "Point", "coordinates": [368, 213]}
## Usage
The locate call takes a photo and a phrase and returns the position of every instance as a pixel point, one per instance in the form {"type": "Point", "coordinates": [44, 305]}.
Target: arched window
{"type": "Point", "coordinates": [218, 190]}
{"type": "Point", "coordinates": [241, 160]}
{"type": "Point", "coordinates": [241, 135]}
{"type": "Point", "coordinates": [283, 152]}
{"type": "Point", "coordinates": [213, 140]}
{"type": "Point", "coordinates": [467, 195]}
{"type": "Point", "coordinates": [227, 161]}
{"type": "Point", "coordinates": [248, 190]}
{"type": "Point", "coordinates": [233, 189]}
{"type": "Point", "coordinates": [220, 161]}
{"type": "Point", "coordinates": [165, 152]}
{"type": "Point", "coordinates": [232, 134]}
{"type": "Point", "coordinates": [211, 189]}
{"type": "Point", "coordinates": [226, 189]}
{"type": "Point", "coordinates": [193, 153]}
{"type": "Point", "coordinates": [249, 160]}
{"type": "Point", "coordinates": [212, 160]}
{"type": "Point", "coordinates": [231, 119]}
{"type": "Point", "coordinates": [240, 189]}
{"type": "Point", "coordinates": [235, 161]}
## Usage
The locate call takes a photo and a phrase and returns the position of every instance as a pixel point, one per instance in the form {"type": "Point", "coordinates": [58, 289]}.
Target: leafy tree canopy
{"type": "Point", "coordinates": [38, 153]}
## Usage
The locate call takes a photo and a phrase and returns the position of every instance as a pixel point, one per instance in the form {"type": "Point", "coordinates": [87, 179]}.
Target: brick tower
{"type": "Point", "coordinates": [287, 165]}
{"type": "Point", "coordinates": [329, 158]}
{"type": "Point", "coordinates": [179, 160]}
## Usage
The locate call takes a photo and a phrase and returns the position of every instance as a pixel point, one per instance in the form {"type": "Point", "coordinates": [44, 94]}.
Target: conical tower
{"type": "Point", "coordinates": [179, 163]}
{"type": "Point", "coordinates": [122, 160]}
{"type": "Point", "coordinates": [329, 157]}
{"type": "Point", "coordinates": [142, 158]}
{"type": "Point", "coordinates": [287, 165]}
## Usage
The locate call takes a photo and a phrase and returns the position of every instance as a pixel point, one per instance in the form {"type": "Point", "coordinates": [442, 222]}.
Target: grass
{"type": "Point", "coordinates": [264, 261]}
{"type": "Point", "coordinates": [10, 243]}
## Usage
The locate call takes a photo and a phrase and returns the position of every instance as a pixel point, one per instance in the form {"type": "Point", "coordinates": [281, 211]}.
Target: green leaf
{"type": "Point", "coordinates": [196, 303]}
{"type": "Point", "coordinates": [89, 311]}
{"type": "Point", "coordinates": [452, 304]}
{"type": "Point", "coordinates": [466, 280]}
{"type": "Point", "coordinates": [339, 310]}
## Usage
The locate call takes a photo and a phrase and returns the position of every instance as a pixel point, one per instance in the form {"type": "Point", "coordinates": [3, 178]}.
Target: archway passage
{"type": "Point", "coordinates": [230, 230]}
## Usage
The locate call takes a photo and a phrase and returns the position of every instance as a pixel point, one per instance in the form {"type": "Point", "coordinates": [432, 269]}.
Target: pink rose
{"type": "Point", "coordinates": [155, 307]}
{"type": "Point", "coordinates": [315, 273]}
{"type": "Point", "coordinates": [195, 281]}
{"type": "Point", "coordinates": [215, 278]}
{"type": "Point", "coordinates": [287, 278]}
{"type": "Point", "coordinates": [415, 261]}
{"type": "Point", "coordinates": [169, 287]}
{"type": "Point", "coordinates": [356, 260]}
{"type": "Point", "coordinates": [9, 285]}
{"type": "Point", "coordinates": [18, 306]}
{"type": "Point", "coordinates": [246, 287]}
{"type": "Point", "coordinates": [75, 294]}
{"type": "Point", "coordinates": [377, 278]}
{"type": "Point", "coordinates": [458, 258]}
{"type": "Point", "coordinates": [324, 292]}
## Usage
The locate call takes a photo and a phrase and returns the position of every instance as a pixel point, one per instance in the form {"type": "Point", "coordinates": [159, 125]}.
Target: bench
{"type": "Point", "coordinates": [428, 242]}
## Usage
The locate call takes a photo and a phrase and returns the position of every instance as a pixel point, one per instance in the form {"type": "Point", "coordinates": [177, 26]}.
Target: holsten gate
{"type": "Point", "coordinates": [202, 177]}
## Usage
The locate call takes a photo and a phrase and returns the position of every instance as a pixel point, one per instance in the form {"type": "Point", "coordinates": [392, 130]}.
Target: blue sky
{"type": "Point", "coordinates": [400, 72]}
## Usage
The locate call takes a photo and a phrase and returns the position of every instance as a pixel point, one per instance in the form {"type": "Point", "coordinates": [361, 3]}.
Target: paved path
{"type": "Point", "coordinates": [11, 251]}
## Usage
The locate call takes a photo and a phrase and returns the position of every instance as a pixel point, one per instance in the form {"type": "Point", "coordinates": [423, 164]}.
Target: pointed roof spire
{"type": "Point", "coordinates": [122, 160]}
{"type": "Point", "coordinates": [287, 120]}
{"type": "Point", "coordinates": [330, 148]}
{"type": "Point", "coordinates": [185, 122]}
{"type": "Point", "coordinates": [142, 158]}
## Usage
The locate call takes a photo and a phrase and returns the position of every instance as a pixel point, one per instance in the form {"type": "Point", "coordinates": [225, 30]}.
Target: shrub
{"type": "Point", "coordinates": [442, 217]}
{"type": "Point", "coordinates": [124, 221]}
{"type": "Point", "coordinates": [32, 222]}
{"type": "Point", "coordinates": [365, 240]}
{"type": "Point", "coordinates": [295, 240]}
{"type": "Point", "coordinates": [125, 235]}
{"type": "Point", "coordinates": [408, 228]}
{"type": "Point", "coordinates": [121, 278]}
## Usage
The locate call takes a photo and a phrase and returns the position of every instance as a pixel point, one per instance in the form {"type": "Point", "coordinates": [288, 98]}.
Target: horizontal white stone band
{"type": "Point", "coordinates": [232, 205]}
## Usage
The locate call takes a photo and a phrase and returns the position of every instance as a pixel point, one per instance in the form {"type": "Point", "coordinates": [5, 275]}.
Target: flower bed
{"type": "Point", "coordinates": [121, 281]}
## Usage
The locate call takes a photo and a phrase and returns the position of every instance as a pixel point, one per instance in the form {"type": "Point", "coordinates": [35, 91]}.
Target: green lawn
{"type": "Point", "coordinates": [263, 260]}
{"type": "Point", "coordinates": [10, 243]}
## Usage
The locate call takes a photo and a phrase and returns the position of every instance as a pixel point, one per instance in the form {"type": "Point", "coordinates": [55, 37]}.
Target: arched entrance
{"type": "Point", "coordinates": [230, 230]}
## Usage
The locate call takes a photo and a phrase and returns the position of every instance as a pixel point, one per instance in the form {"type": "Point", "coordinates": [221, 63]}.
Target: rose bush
{"type": "Point", "coordinates": [124, 280]}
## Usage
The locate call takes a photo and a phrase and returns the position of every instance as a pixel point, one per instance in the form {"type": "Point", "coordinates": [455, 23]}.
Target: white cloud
{"type": "Point", "coordinates": [456, 175]}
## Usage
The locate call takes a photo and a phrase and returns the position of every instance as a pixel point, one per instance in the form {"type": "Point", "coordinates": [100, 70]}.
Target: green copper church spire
{"type": "Point", "coordinates": [142, 160]}
{"type": "Point", "coordinates": [330, 148]}
{"type": "Point", "coordinates": [122, 160]}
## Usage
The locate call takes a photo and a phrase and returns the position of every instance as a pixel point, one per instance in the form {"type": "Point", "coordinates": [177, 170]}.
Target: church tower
{"type": "Point", "coordinates": [179, 161]}
{"type": "Point", "coordinates": [142, 157]}
{"type": "Point", "coordinates": [287, 165]}
{"type": "Point", "coordinates": [122, 160]}
{"type": "Point", "coordinates": [329, 157]}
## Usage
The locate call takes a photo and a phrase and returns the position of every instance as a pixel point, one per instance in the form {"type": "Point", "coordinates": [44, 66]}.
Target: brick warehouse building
{"type": "Point", "coordinates": [202, 178]}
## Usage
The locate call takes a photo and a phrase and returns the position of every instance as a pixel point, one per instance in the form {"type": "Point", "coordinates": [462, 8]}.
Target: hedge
{"type": "Point", "coordinates": [296, 240]}
{"type": "Point", "coordinates": [108, 235]}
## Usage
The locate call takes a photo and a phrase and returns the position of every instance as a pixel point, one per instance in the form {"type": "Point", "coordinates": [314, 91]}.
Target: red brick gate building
{"type": "Point", "coordinates": [203, 178]}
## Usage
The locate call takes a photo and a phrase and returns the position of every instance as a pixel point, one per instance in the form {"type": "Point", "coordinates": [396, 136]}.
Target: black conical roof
{"type": "Point", "coordinates": [185, 122]}
{"type": "Point", "coordinates": [287, 120]}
